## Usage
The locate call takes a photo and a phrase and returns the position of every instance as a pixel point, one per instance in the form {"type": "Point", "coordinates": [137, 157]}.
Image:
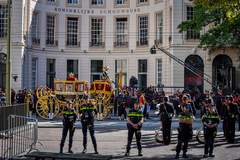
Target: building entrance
{"type": "Point", "coordinates": [223, 73]}
{"type": "Point", "coordinates": [191, 80]}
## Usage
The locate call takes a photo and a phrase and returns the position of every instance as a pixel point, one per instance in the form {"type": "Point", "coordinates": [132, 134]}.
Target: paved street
{"type": "Point", "coordinates": [111, 137]}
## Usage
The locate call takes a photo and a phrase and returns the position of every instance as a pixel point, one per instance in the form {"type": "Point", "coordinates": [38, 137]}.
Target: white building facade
{"type": "Point", "coordinates": [52, 38]}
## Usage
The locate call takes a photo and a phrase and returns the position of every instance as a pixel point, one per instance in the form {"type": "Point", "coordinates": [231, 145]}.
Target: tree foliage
{"type": "Point", "coordinates": [218, 35]}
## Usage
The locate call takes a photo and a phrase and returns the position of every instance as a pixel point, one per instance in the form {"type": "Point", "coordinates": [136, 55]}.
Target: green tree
{"type": "Point", "coordinates": [208, 13]}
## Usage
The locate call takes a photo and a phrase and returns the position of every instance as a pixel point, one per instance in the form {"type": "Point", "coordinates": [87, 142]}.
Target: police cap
{"type": "Point", "coordinates": [187, 105]}
{"type": "Point", "coordinates": [165, 99]}
{"type": "Point", "coordinates": [69, 102]}
{"type": "Point", "coordinates": [211, 105]}
{"type": "Point", "coordinates": [85, 97]}
{"type": "Point", "coordinates": [136, 101]}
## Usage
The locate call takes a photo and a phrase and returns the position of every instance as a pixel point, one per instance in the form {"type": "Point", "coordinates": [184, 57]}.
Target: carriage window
{"type": "Point", "coordinates": [79, 87]}
{"type": "Point", "coordinates": [69, 88]}
{"type": "Point", "coordinates": [59, 86]}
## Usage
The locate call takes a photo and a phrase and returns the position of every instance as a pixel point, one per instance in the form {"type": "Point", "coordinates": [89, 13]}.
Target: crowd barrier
{"type": "Point", "coordinates": [16, 109]}
{"type": "Point", "coordinates": [21, 136]}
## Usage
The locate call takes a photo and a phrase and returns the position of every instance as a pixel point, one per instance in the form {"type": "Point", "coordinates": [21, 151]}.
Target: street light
{"type": "Point", "coordinates": [8, 62]}
{"type": "Point", "coordinates": [223, 72]}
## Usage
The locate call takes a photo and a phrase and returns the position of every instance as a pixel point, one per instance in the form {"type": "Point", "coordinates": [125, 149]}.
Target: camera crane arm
{"type": "Point", "coordinates": [194, 70]}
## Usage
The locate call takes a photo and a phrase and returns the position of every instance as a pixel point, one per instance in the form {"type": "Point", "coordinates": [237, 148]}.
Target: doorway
{"type": "Point", "coordinates": [223, 72]}
{"type": "Point", "coordinates": [191, 80]}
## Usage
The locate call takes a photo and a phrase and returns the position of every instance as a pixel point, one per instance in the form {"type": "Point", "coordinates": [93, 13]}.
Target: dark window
{"type": "Point", "coordinates": [72, 67]}
{"type": "Point", "coordinates": [50, 73]}
{"type": "Point", "coordinates": [96, 70]}
{"type": "Point", "coordinates": [142, 74]}
{"type": "Point", "coordinates": [142, 65]}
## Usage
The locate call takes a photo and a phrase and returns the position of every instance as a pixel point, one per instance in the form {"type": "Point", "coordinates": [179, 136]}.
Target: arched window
{"type": "Point", "coordinates": [191, 80]}
{"type": "Point", "coordinates": [223, 73]}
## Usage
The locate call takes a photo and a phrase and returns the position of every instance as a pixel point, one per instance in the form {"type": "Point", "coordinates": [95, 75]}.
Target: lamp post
{"type": "Point", "coordinates": [223, 74]}
{"type": "Point", "coordinates": [9, 63]}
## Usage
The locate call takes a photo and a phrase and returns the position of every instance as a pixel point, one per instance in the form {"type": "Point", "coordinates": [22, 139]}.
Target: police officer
{"type": "Point", "coordinates": [210, 121]}
{"type": "Point", "coordinates": [238, 103]}
{"type": "Point", "coordinates": [184, 131]}
{"type": "Point", "coordinates": [69, 115]}
{"type": "Point", "coordinates": [223, 116]}
{"type": "Point", "coordinates": [232, 114]}
{"type": "Point", "coordinates": [166, 112]}
{"type": "Point", "coordinates": [87, 120]}
{"type": "Point", "coordinates": [135, 120]}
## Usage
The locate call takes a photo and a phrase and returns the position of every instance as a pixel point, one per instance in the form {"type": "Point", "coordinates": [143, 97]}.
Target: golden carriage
{"type": "Point", "coordinates": [102, 89]}
{"type": "Point", "coordinates": [64, 91]}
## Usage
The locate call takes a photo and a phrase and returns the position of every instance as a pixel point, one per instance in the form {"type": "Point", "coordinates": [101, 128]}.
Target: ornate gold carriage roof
{"type": "Point", "coordinates": [71, 86]}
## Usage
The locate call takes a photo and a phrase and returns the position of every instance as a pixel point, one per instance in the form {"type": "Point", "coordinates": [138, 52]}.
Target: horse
{"type": "Point", "coordinates": [121, 102]}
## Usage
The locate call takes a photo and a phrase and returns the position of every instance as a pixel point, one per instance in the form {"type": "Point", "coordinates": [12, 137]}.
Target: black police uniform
{"type": "Point", "coordinates": [231, 112]}
{"type": "Point", "coordinates": [238, 103]}
{"type": "Point", "coordinates": [88, 122]}
{"type": "Point", "coordinates": [210, 133]}
{"type": "Point", "coordinates": [176, 104]}
{"type": "Point", "coordinates": [135, 117]}
{"type": "Point", "coordinates": [184, 134]}
{"type": "Point", "coordinates": [192, 108]}
{"type": "Point", "coordinates": [166, 112]}
{"type": "Point", "coordinates": [224, 118]}
{"type": "Point", "coordinates": [68, 125]}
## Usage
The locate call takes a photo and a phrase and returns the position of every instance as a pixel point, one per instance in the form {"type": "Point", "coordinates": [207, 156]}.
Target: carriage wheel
{"type": "Point", "coordinates": [42, 108]}
{"type": "Point", "coordinates": [60, 109]}
{"type": "Point", "coordinates": [105, 112]}
{"type": "Point", "coordinates": [40, 91]}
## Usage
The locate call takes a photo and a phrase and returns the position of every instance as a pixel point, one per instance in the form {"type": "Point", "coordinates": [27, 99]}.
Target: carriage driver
{"type": "Point", "coordinates": [106, 77]}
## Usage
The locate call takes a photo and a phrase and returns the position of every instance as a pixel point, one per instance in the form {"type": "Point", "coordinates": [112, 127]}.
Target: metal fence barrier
{"type": "Point", "coordinates": [15, 109]}
{"type": "Point", "coordinates": [21, 136]}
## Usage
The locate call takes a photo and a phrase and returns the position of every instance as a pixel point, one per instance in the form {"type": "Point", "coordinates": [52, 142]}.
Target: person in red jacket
{"type": "Point", "coordinates": [12, 95]}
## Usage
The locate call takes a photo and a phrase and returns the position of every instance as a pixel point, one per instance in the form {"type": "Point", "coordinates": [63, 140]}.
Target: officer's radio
{"type": "Point", "coordinates": [210, 122]}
